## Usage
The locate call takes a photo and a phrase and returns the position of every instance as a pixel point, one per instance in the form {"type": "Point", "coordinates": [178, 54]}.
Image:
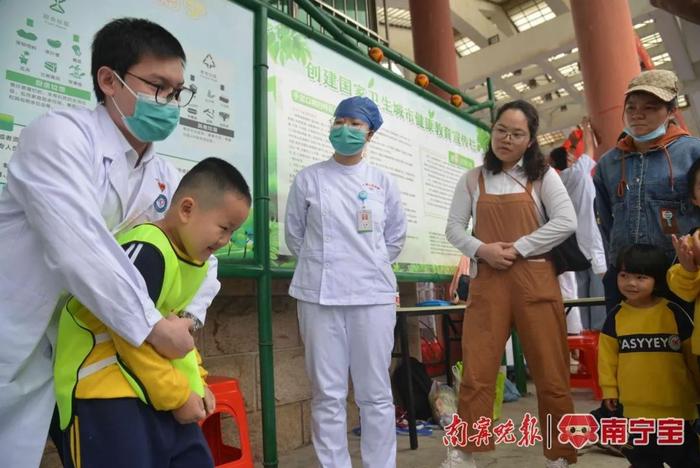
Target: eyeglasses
{"type": "Point", "coordinates": [182, 96]}
{"type": "Point", "coordinates": [501, 133]}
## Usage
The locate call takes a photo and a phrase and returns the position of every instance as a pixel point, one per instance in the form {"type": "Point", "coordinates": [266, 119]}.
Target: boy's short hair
{"type": "Point", "coordinates": [559, 157]}
{"type": "Point", "coordinates": [123, 42]}
{"type": "Point", "coordinates": [645, 259]}
{"type": "Point", "coordinates": [213, 176]}
{"type": "Point", "coordinates": [693, 176]}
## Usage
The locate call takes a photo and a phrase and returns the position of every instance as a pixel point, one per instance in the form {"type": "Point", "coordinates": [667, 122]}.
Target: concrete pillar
{"type": "Point", "coordinates": [433, 40]}
{"type": "Point", "coordinates": [608, 57]}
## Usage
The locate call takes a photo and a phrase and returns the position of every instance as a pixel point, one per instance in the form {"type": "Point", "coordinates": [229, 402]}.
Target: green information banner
{"type": "Point", "coordinates": [45, 64]}
{"type": "Point", "coordinates": [425, 147]}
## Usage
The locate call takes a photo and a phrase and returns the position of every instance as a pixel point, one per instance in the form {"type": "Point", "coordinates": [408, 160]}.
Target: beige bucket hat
{"type": "Point", "coordinates": [661, 83]}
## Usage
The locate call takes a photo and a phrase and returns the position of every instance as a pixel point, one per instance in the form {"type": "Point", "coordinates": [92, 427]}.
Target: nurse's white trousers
{"type": "Point", "coordinates": [359, 339]}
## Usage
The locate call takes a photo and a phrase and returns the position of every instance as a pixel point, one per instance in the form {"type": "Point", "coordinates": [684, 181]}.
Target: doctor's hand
{"type": "Point", "coordinates": [192, 411]}
{"type": "Point", "coordinates": [171, 337]}
{"type": "Point", "coordinates": [499, 255]}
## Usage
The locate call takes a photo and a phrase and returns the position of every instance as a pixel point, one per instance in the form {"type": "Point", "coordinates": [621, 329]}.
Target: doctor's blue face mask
{"type": "Point", "coordinates": [348, 140]}
{"type": "Point", "coordinates": [150, 121]}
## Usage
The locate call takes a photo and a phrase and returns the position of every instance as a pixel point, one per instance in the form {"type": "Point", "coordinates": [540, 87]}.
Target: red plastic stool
{"type": "Point", "coordinates": [229, 400]}
{"type": "Point", "coordinates": [587, 374]}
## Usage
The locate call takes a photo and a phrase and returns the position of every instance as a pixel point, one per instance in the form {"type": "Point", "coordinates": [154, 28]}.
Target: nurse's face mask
{"type": "Point", "coordinates": [348, 136]}
{"type": "Point", "coordinates": [151, 120]}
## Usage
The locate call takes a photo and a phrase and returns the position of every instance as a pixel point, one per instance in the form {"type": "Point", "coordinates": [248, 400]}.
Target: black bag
{"type": "Point", "coordinates": [566, 256]}
{"type": "Point", "coordinates": [421, 383]}
{"type": "Point", "coordinates": [463, 287]}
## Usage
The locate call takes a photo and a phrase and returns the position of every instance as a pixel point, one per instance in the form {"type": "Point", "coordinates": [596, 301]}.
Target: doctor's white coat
{"type": "Point", "coordinates": [337, 265]}
{"type": "Point", "coordinates": [72, 185]}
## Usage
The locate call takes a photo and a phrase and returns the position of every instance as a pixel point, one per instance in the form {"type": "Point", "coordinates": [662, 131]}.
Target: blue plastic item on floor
{"type": "Point", "coordinates": [433, 303]}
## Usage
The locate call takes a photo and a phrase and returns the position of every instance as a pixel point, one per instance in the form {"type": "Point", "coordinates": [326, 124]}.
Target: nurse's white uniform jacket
{"type": "Point", "coordinates": [72, 185]}
{"type": "Point", "coordinates": [336, 264]}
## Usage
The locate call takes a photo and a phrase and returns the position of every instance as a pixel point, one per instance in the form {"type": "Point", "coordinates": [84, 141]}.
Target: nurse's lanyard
{"type": "Point", "coordinates": [364, 215]}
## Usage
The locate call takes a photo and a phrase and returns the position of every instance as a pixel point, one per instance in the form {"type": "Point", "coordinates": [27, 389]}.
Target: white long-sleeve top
{"type": "Point", "coordinates": [552, 195]}
{"type": "Point", "coordinates": [72, 185]}
{"type": "Point", "coordinates": [336, 264]}
{"type": "Point", "coordinates": [579, 183]}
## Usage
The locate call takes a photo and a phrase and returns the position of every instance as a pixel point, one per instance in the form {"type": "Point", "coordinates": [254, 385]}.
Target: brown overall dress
{"type": "Point", "coordinates": [526, 295]}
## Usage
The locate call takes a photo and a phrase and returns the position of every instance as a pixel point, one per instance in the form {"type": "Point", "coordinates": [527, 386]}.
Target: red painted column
{"type": "Point", "coordinates": [609, 60]}
{"type": "Point", "coordinates": [434, 50]}
{"type": "Point", "coordinates": [433, 40]}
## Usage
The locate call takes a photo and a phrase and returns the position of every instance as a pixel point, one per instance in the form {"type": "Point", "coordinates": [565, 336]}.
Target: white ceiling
{"type": "Point", "coordinates": [538, 64]}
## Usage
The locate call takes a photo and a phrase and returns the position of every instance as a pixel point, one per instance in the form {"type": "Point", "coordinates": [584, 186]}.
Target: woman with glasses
{"type": "Point", "coordinates": [520, 210]}
{"type": "Point", "coordinates": [346, 225]}
{"type": "Point", "coordinates": [78, 177]}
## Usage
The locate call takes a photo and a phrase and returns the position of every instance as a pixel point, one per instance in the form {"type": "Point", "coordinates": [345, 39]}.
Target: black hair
{"type": "Point", "coordinates": [122, 43]}
{"type": "Point", "coordinates": [646, 259]}
{"type": "Point", "coordinates": [692, 177]}
{"type": "Point", "coordinates": [534, 163]}
{"type": "Point", "coordinates": [559, 158]}
{"type": "Point", "coordinates": [214, 174]}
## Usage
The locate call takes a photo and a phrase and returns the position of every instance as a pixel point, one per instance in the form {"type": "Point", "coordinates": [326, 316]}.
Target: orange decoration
{"type": "Point", "coordinates": [422, 80]}
{"type": "Point", "coordinates": [456, 100]}
{"type": "Point", "coordinates": [376, 54]}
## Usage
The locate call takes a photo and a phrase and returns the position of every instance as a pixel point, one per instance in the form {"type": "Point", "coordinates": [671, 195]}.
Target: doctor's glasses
{"type": "Point", "coordinates": [165, 95]}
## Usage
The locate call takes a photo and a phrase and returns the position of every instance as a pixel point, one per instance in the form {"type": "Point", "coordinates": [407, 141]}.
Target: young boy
{"type": "Point", "coordinates": [644, 358]}
{"type": "Point", "coordinates": [126, 406]}
{"type": "Point", "coordinates": [79, 176]}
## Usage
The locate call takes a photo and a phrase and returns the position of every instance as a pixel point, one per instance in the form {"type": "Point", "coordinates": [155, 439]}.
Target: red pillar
{"type": "Point", "coordinates": [608, 57]}
{"type": "Point", "coordinates": [433, 40]}
{"type": "Point", "coordinates": [434, 50]}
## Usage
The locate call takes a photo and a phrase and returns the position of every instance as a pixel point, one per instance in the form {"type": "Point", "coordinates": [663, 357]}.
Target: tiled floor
{"type": "Point", "coordinates": [431, 452]}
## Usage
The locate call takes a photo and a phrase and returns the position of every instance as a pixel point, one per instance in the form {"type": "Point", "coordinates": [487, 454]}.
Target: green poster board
{"type": "Point", "coordinates": [45, 64]}
{"type": "Point", "coordinates": [425, 147]}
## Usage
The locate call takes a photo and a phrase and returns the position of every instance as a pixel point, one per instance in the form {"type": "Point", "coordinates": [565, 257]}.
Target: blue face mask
{"type": "Point", "coordinates": [653, 135]}
{"type": "Point", "coordinates": [347, 141]}
{"type": "Point", "coordinates": [150, 121]}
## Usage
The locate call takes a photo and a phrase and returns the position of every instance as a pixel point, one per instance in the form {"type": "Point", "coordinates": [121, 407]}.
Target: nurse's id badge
{"type": "Point", "coordinates": [364, 220]}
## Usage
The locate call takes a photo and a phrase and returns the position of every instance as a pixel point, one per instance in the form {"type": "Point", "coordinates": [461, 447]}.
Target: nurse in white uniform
{"type": "Point", "coordinates": [78, 177]}
{"type": "Point", "coordinates": [346, 225]}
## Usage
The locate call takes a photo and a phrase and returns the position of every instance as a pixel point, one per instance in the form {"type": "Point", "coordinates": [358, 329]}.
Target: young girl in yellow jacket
{"type": "Point", "coordinates": [644, 360]}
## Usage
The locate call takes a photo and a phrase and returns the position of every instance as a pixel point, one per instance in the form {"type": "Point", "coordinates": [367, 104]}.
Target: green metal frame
{"type": "Point", "coordinates": [262, 270]}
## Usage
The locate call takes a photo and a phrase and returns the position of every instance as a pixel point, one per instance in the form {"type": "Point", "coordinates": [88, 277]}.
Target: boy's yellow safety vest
{"type": "Point", "coordinates": [181, 281]}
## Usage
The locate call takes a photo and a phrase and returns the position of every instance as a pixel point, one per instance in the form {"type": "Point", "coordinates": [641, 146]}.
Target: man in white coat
{"type": "Point", "coordinates": [346, 225]}
{"type": "Point", "coordinates": [577, 175]}
{"type": "Point", "coordinates": [78, 177]}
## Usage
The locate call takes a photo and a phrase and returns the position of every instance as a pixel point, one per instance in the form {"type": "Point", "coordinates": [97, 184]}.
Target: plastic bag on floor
{"type": "Point", "coordinates": [443, 403]}
{"type": "Point", "coordinates": [511, 392]}
{"type": "Point", "coordinates": [457, 370]}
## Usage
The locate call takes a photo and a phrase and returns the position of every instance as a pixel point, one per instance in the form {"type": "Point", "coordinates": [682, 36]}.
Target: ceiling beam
{"type": "Point", "coordinates": [563, 82]}
{"type": "Point", "coordinates": [667, 25]}
{"type": "Point", "coordinates": [527, 47]}
{"type": "Point", "coordinates": [470, 22]}
{"type": "Point", "coordinates": [559, 7]}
